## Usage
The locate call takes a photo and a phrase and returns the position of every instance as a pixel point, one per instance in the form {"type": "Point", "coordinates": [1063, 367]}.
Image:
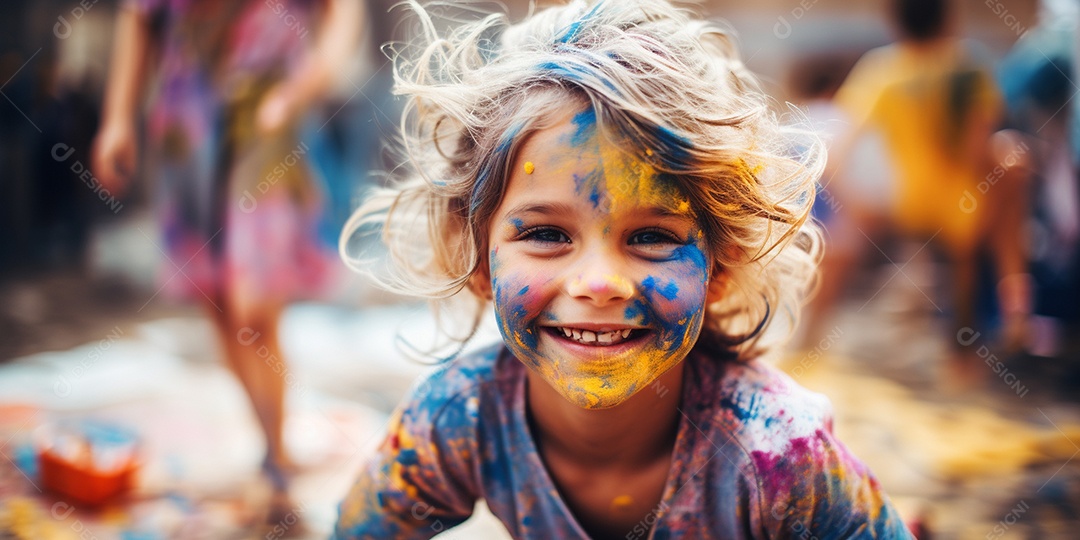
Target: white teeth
{"type": "Point", "coordinates": [594, 338]}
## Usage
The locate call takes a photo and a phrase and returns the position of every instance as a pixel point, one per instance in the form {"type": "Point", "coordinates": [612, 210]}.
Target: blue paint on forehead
{"type": "Point", "coordinates": [585, 126]}
{"type": "Point", "coordinates": [595, 197]}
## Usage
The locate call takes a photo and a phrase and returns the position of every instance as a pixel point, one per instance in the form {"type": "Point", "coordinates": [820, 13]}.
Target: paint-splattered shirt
{"type": "Point", "coordinates": [755, 457]}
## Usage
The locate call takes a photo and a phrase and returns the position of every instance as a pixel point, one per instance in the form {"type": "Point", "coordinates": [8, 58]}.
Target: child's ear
{"type": "Point", "coordinates": [718, 286]}
{"type": "Point", "coordinates": [480, 282]}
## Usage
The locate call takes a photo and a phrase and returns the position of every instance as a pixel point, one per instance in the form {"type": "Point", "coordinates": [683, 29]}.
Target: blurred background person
{"type": "Point", "coordinates": [236, 199]}
{"type": "Point", "coordinates": [1037, 80]}
{"type": "Point", "coordinates": [933, 100]}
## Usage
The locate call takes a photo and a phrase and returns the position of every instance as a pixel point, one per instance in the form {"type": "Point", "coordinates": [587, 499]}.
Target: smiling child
{"type": "Point", "coordinates": [610, 178]}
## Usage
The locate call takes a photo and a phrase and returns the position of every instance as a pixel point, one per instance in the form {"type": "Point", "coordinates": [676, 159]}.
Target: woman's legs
{"type": "Point", "coordinates": [252, 351]}
{"type": "Point", "coordinates": [1006, 236]}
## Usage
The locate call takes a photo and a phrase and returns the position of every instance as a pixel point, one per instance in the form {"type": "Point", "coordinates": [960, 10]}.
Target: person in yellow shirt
{"type": "Point", "coordinates": [959, 186]}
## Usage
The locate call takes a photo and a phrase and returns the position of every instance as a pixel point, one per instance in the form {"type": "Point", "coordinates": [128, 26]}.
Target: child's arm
{"type": "Point", "coordinates": [320, 71]}
{"type": "Point", "coordinates": [115, 146]}
{"type": "Point", "coordinates": [420, 482]}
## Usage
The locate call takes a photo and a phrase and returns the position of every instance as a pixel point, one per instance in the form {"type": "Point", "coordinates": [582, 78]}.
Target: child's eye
{"type": "Point", "coordinates": [652, 237]}
{"type": "Point", "coordinates": [545, 235]}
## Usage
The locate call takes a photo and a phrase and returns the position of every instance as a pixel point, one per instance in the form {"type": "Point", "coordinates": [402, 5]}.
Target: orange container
{"type": "Point", "coordinates": [89, 462]}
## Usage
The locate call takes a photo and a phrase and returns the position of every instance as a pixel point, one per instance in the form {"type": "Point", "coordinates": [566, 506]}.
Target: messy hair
{"type": "Point", "coordinates": [656, 76]}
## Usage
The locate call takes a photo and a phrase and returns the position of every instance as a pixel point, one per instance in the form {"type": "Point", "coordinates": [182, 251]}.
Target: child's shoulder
{"type": "Point", "coordinates": [464, 380]}
{"type": "Point", "coordinates": [762, 407]}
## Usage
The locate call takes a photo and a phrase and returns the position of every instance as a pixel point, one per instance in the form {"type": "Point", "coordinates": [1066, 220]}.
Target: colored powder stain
{"type": "Point", "coordinates": [509, 137]}
{"type": "Point", "coordinates": [594, 196]}
{"type": "Point", "coordinates": [408, 457]}
{"type": "Point", "coordinates": [573, 28]}
{"type": "Point", "coordinates": [695, 255]}
{"type": "Point", "coordinates": [630, 181]}
{"type": "Point", "coordinates": [669, 291]}
{"type": "Point", "coordinates": [529, 167]}
{"type": "Point", "coordinates": [518, 225]}
{"type": "Point", "coordinates": [639, 312]}
{"type": "Point", "coordinates": [586, 126]}
{"type": "Point", "coordinates": [675, 145]}
{"type": "Point", "coordinates": [523, 290]}
{"type": "Point", "coordinates": [571, 32]}
{"type": "Point", "coordinates": [589, 183]}
{"type": "Point", "coordinates": [621, 503]}
{"type": "Point", "coordinates": [487, 172]}
{"type": "Point", "coordinates": [738, 405]}
{"type": "Point", "coordinates": [773, 478]}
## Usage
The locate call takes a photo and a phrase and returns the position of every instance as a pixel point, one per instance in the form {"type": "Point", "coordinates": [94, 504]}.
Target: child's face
{"type": "Point", "coordinates": [599, 270]}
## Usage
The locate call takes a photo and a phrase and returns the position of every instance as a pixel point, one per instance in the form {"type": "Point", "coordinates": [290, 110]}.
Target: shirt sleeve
{"type": "Point", "coordinates": [419, 482]}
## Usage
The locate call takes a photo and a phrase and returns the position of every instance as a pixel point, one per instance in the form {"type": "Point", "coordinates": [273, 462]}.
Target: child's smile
{"type": "Point", "coordinates": [598, 268]}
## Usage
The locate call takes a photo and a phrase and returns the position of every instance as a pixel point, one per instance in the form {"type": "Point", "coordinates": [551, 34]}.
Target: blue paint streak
{"type": "Point", "coordinates": [586, 126]}
{"type": "Point", "coordinates": [673, 147]}
{"type": "Point", "coordinates": [590, 184]}
{"type": "Point", "coordinates": [407, 457]}
{"type": "Point", "coordinates": [494, 166]}
{"type": "Point", "coordinates": [670, 291]}
{"type": "Point", "coordinates": [639, 311]}
{"type": "Point", "coordinates": [594, 196]}
{"type": "Point", "coordinates": [573, 29]}
{"type": "Point", "coordinates": [576, 73]}
{"type": "Point", "coordinates": [694, 254]}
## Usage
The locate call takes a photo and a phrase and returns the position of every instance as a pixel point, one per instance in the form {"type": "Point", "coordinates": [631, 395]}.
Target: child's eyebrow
{"type": "Point", "coordinates": [548, 209]}
{"type": "Point", "coordinates": [543, 209]}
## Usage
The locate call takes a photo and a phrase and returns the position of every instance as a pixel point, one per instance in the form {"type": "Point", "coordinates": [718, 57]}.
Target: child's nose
{"type": "Point", "coordinates": [601, 286]}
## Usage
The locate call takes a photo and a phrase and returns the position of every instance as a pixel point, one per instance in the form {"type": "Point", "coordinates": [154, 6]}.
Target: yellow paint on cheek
{"type": "Point", "coordinates": [529, 167]}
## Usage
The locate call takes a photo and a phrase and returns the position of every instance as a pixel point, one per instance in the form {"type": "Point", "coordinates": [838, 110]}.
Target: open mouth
{"type": "Point", "coordinates": [597, 338]}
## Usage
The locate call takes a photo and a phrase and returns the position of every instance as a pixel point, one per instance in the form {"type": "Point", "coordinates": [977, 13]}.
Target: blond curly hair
{"type": "Point", "coordinates": [654, 74]}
